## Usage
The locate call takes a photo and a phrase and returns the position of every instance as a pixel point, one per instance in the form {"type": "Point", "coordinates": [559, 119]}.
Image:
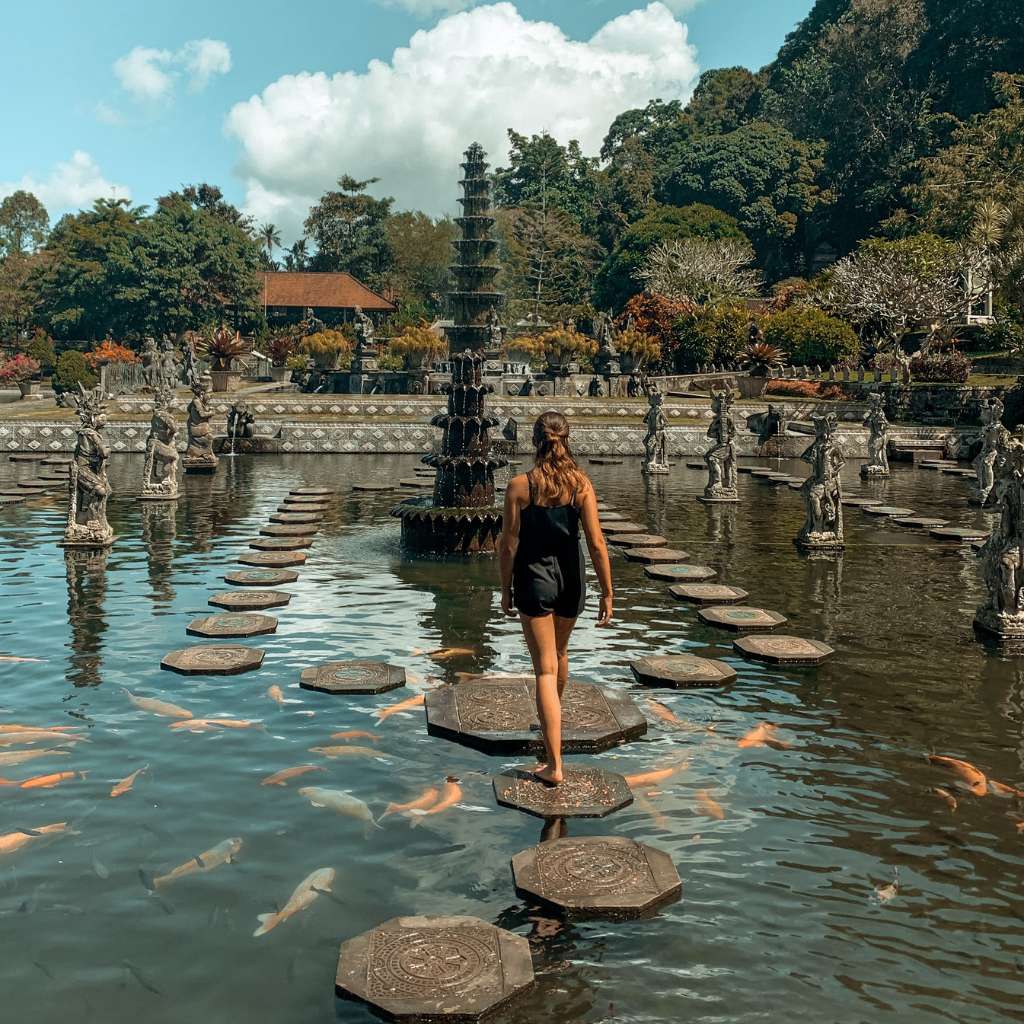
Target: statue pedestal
{"type": "Point", "coordinates": [153, 494]}
{"type": "Point", "coordinates": [655, 469]}
{"type": "Point", "coordinates": [200, 464]}
{"type": "Point", "coordinates": [820, 542]}
{"type": "Point", "coordinates": [87, 535]}
{"type": "Point", "coordinates": [869, 472]}
{"type": "Point", "coordinates": [1000, 626]}
{"type": "Point", "coordinates": [722, 498]}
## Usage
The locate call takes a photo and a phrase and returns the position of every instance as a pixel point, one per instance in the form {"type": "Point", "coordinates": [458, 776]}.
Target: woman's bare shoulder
{"type": "Point", "coordinates": [518, 485]}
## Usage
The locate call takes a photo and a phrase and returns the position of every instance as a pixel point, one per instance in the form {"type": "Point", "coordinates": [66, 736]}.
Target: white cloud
{"type": "Point", "coordinates": [107, 114]}
{"type": "Point", "coordinates": [149, 75]}
{"type": "Point", "coordinates": [469, 78]}
{"type": "Point", "coordinates": [426, 8]}
{"type": "Point", "coordinates": [71, 185]}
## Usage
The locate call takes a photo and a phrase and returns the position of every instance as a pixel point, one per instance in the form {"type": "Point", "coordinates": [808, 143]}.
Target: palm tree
{"type": "Point", "coordinates": [270, 237]}
{"type": "Point", "coordinates": [297, 257]}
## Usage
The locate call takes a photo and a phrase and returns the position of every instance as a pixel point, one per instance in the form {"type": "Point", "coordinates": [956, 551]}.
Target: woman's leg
{"type": "Point", "coordinates": [563, 630]}
{"type": "Point", "coordinates": [540, 639]}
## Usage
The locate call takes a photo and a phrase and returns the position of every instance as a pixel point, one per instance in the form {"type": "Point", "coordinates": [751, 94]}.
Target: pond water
{"type": "Point", "coordinates": [780, 917]}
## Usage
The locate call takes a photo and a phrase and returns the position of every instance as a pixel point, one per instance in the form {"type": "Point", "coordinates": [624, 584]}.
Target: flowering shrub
{"type": "Point", "coordinates": [804, 389]}
{"type": "Point", "coordinates": [326, 348]}
{"type": "Point", "coordinates": [945, 365]}
{"type": "Point", "coordinates": [419, 340]}
{"type": "Point", "coordinates": [644, 348]}
{"type": "Point", "coordinates": [18, 370]}
{"type": "Point", "coordinates": [108, 351]}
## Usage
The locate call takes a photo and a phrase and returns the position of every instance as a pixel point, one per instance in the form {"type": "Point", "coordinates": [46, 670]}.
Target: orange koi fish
{"type": "Point", "coordinates": [345, 751]}
{"type": "Point", "coordinates": [401, 707]}
{"type": "Point", "coordinates": [13, 659]}
{"type": "Point", "coordinates": [14, 841]}
{"type": "Point", "coordinates": [975, 781]}
{"type": "Point", "coordinates": [12, 757]}
{"type": "Point", "coordinates": [642, 779]}
{"type": "Point", "coordinates": [945, 794]}
{"type": "Point", "coordinates": [208, 724]}
{"type": "Point", "coordinates": [276, 695]}
{"type": "Point", "coordinates": [762, 735]}
{"type": "Point", "coordinates": [450, 795]}
{"type": "Point", "coordinates": [222, 853]}
{"type": "Point", "coordinates": [444, 653]}
{"type": "Point", "coordinates": [286, 774]}
{"type": "Point", "coordinates": [51, 780]}
{"type": "Point", "coordinates": [666, 714]}
{"type": "Point", "coordinates": [158, 707]}
{"type": "Point", "coordinates": [426, 799]}
{"type": "Point", "coordinates": [316, 884]}
{"type": "Point", "coordinates": [355, 734]}
{"type": "Point", "coordinates": [1007, 792]}
{"type": "Point", "coordinates": [15, 727]}
{"type": "Point", "coordinates": [127, 782]}
{"type": "Point", "coordinates": [659, 819]}
{"type": "Point", "coordinates": [711, 807]}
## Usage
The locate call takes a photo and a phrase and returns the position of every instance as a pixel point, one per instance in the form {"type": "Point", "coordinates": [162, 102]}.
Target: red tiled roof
{"type": "Point", "coordinates": [320, 291]}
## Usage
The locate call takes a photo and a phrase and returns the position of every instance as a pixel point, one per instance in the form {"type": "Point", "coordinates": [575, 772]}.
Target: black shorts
{"type": "Point", "coordinates": [549, 587]}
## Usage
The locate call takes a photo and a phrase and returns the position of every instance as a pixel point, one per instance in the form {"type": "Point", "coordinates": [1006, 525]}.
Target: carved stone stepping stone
{"type": "Point", "coordinates": [288, 530]}
{"type": "Point", "coordinates": [708, 593]}
{"type": "Point", "coordinates": [958, 534]}
{"type": "Point", "coordinates": [303, 510]}
{"type": "Point", "coordinates": [353, 677]}
{"type": "Point", "coordinates": [694, 464]}
{"type": "Point", "coordinates": [611, 517]}
{"type": "Point", "coordinates": [272, 559]}
{"type": "Point", "coordinates": [761, 473]}
{"type": "Point", "coordinates": [232, 625]}
{"type": "Point", "coordinates": [373, 487]}
{"type": "Point", "coordinates": [281, 543]}
{"type": "Point", "coordinates": [413, 482]}
{"type": "Point", "coordinates": [436, 969]}
{"type": "Point", "coordinates": [621, 526]}
{"type": "Point", "coordinates": [8, 500]}
{"type": "Point", "coordinates": [32, 485]}
{"type": "Point", "coordinates": [681, 671]}
{"type": "Point", "coordinates": [213, 660]}
{"type": "Point", "coordinates": [652, 555]}
{"type": "Point", "coordinates": [920, 522]}
{"type": "Point", "coordinates": [250, 600]}
{"type": "Point", "coordinates": [499, 716]}
{"type": "Point", "coordinates": [598, 460]}
{"type": "Point", "coordinates": [783, 650]}
{"type": "Point", "coordinates": [796, 483]}
{"type": "Point", "coordinates": [860, 502]}
{"type": "Point", "coordinates": [774, 478]}
{"type": "Point", "coordinates": [584, 793]}
{"type": "Point", "coordinates": [316, 492]}
{"type": "Point", "coordinates": [745, 469]}
{"type": "Point", "coordinates": [693, 573]}
{"type": "Point", "coordinates": [27, 457]}
{"type": "Point", "coordinates": [740, 617]}
{"type": "Point", "coordinates": [887, 510]}
{"type": "Point", "coordinates": [305, 499]}
{"type": "Point", "coordinates": [958, 471]}
{"type": "Point", "coordinates": [936, 463]}
{"type": "Point", "coordinates": [57, 460]}
{"type": "Point", "coordinates": [638, 540]}
{"type": "Point", "coordinates": [261, 577]}
{"type": "Point", "coordinates": [296, 518]}
{"type": "Point", "coordinates": [51, 478]}
{"type": "Point", "coordinates": [597, 877]}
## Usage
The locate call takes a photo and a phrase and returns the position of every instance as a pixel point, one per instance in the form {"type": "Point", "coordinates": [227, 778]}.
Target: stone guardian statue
{"type": "Point", "coordinates": [720, 458]}
{"type": "Point", "coordinates": [993, 435]}
{"type": "Point", "coordinates": [656, 439]}
{"type": "Point", "coordinates": [199, 454]}
{"type": "Point", "coordinates": [877, 466]}
{"type": "Point", "coordinates": [821, 491]}
{"type": "Point", "coordinates": [88, 487]}
{"type": "Point", "coordinates": [160, 471]}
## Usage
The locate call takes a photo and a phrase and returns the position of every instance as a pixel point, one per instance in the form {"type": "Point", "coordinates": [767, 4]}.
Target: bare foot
{"type": "Point", "coordinates": [549, 777]}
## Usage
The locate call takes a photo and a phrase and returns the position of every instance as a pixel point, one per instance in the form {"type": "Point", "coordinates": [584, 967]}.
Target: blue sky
{"type": "Point", "coordinates": [273, 101]}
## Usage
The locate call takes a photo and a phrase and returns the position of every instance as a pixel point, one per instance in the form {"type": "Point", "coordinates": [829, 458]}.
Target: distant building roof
{"type": "Point", "coordinates": [320, 291]}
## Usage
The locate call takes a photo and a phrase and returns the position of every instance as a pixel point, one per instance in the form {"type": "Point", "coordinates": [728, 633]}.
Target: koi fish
{"type": "Point", "coordinates": [428, 797]}
{"type": "Point", "coordinates": [14, 727]}
{"type": "Point", "coordinates": [306, 892]}
{"type": "Point", "coordinates": [975, 781]}
{"type": "Point", "coordinates": [651, 778]}
{"type": "Point", "coordinates": [158, 707]}
{"type": "Point", "coordinates": [450, 795]}
{"type": "Point", "coordinates": [667, 715]}
{"type": "Point", "coordinates": [345, 751]}
{"type": "Point", "coordinates": [945, 794]}
{"type": "Point", "coordinates": [885, 893]}
{"type": "Point", "coordinates": [222, 853]}
{"type": "Point", "coordinates": [659, 819]}
{"type": "Point", "coordinates": [1007, 792]}
{"type": "Point", "coordinates": [283, 776]}
{"type": "Point", "coordinates": [762, 735]}
{"type": "Point", "coordinates": [355, 734]}
{"type": "Point", "coordinates": [711, 807]}
{"type": "Point", "coordinates": [340, 802]}
{"type": "Point", "coordinates": [445, 653]}
{"type": "Point", "coordinates": [49, 781]}
{"type": "Point", "coordinates": [12, 757]}
{"type": "Point", "coordinates": [12, 659]}
{"type": "Point", "coordinates": [126, 783]}
{"type": "Point", "coordinates": [276, 695]}
{"type": "Point", "coordinates": [29, 736]}
{"type": "Point", "coordinates": [208, 724]}
{"type": "Point", "coordinates": [14, 841]}
{"type": "Point", "coordinates": [1020, 826]}
{"type": "Point", "coordinates": [401, 707]}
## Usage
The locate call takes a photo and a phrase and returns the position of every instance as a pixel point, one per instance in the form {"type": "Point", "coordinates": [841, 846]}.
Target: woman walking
{"type": "Point", "coordinates": [542, 572]}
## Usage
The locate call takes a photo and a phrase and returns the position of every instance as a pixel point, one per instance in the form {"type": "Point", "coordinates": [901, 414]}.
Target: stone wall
{"type": "Point", "coordinates": [936, 403]}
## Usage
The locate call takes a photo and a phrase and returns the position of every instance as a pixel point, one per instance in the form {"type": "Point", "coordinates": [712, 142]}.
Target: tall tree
{"type": "Point", "coordinates": [725, 99]}
{"type": "Point", "coordinates": [270, 238]}
{"type": "Point", "coordinates": [422, 248]}
{"type": "Point", "coordinates": [24, 224]}
{"type": "Point", "coordinates": [296, 257]}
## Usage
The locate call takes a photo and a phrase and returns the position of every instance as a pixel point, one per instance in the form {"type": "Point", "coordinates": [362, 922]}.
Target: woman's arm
{"type": "Point", "coordinates": [508, 542]}
{"type": "Point", "coordinates": [598, 553]}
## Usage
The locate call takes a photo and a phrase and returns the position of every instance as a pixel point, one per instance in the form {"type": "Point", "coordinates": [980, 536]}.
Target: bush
{"type": "Point", "coordinates": [812, 338]}
{"type": "Point", "coordinates": [18, 370]}
{"type": "Point", "coordinates": [946, 366]}
{"type": "Point", "coordinates": [108, 351]}
{"type": "Point", "coordinates": [281, 348]}
{"type": "Point", "coordinates": [804, 389]}
{"type": "Point", "coordinates": [419, 340]}
{"type": "Point", "coordinates": [40, 348]}
{"type": "Point", "coordinates": [644, 348]}
{"type": "Point", "coordinates": [1005, 335]}
{"type": "Point", "coordinates": [712, 334]}
{"type": "Point", "coordinates": [655, 316]}
{"type": "Point", "coordinates": [72, 370]}
{"type": "Point", "coordinates": [787, 292]}
{"type": "Point", "coordinates": [326, 348]}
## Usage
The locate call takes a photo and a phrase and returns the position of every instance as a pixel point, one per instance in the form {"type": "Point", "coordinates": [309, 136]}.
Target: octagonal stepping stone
{"type": "Point", "coordinates": [598, 460]}
{"type": "Point", "coordinates": [920, 522]}
{"type": "Point", "coordinates": [232, 626]}
{"type": "Point", "coordinates": [296, 518]}
{"type": "Point", "coordinates": [740, 617]}
{"type": "Point", "coordinates": [305, 499]}
{"type": "Point", "coordinates": [611, 517]}
{"type": "Point", "coordinates": [638, 540]}
{"type": "Point", "coordinates": [373, 487]}
{"type": "Point", "coordinates": [653, 555]}
{"type": "Point", "coordinates": [584, 793]}
{"type": "Point", "coordinates": [936, 463]}
{"type": "Point", "coordinates": [783, 650]}
{"type": "Point", "coordinates": [681, 671]}
{"type": "Point", "coordinates": [597, 877]}
{"type": "Point", "coordinates": [315, 492]}
{"type": "Point", "coordinates": [708, 593]}
{"type": "Point", "coordinates": [353, 677]}
{"type": "Point", "coordinates": [622, 526]}
{"type": "Point", "coordinates": [52, 478]}
{"type": "Point", "coordinates": [774, 478]}
{"type": "Point", "coordinates": [958, 534]}
{"type": "Point", "coordinates": [437, 969]}
{"type": "Point", "coordinates": [57, 460]}
{"type": "Point", "coordinates": [860, 502]}
{"type": "Point", "coordinates": [958, 471]}
{"type": "Point", "coordinates": [303, 510]}
{"type": "Point", "coordinates": [17, 492]}
{"type": "Point", "coordinates": [414, 482]}
{"type": "Point", "coordinates": [745, 469]}
{"type": "Point", "coordinates": [893, 511]}
{"type": "Point", "coordinates": [694, 464]}
{"type": "Point", "coordinates": [31, 485]}
{"type": "Point", "coordinates": [694, 573]}
{"type": "Point", "coordinates": [761, 473]}
{"type": "Point", "coordinates": [213, 660]}
{"type": "Point", "coordinates": [281, 543]}
{"type": "Point", "coordinates": [7, 500]}
{"type": "Point", "coordinates": [603, 506]}
{"type": "Point", "coordinates": [289, 530]}
{"type": "Point", "coordinates": [250, 600]}
{"type": "Point", "coordinates": [261, 577]}
{"type": "Point", "coordinates": [26, 456]}
{"type": "Point", "coordinates": [796, 483]}
{"type": "Point", "coordinates": [272, 559]}
{"type": "Point", "coordinates": [499, 716]}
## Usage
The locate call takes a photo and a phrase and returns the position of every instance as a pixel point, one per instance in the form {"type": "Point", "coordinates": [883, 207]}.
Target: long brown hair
{"type": "Point", "coordinates": [555, 473]}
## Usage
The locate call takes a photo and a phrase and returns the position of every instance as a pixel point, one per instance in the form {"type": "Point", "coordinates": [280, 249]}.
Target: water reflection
{"type": "Point", "coordinates": [159, 529]}
{"type": "Point", "coordinates": [86, 570]}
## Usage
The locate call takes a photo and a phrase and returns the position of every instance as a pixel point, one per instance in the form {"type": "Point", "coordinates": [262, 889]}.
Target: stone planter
{"type": "Point", "coordinates": [751, 387]}
{"type": "Point", "coordinates": [225, 380]}
{"type": "Point", "coordinates": [280, 374]}
{"type": "Point", "coordinates": [414, 361]}
{"type": "Point", "coordinates": [628, 363]}
{"type": "Point", "coordinates": [27, 388]}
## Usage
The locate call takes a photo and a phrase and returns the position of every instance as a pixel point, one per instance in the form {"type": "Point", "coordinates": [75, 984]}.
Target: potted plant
{"type": "Point", "coordinates": [326, 348]}
{"type": "Point", "coordinates": [565, 347]}
{"type": "Point", "coordinates": [281, 348]}
{"type": "Point", "coordinates": [758, 359]}
{"type": "Point", "coordinates": [418, 346]}
{"type": "Point", "coordinates": [636, 350]}
{"type": "Point", "coordinates": [222, 349]}
{"type": "Point", "coordinates": [20, 370]}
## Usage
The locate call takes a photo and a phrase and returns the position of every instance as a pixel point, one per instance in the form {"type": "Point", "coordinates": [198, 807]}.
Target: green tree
{"type": "Point", "coordinates": [724, 100]}
{"type": "Point", "coordinates": [24, 224]}
{"type": "Point", "coordinates": [297, 256]}
{"type": "Point", "coordinates": [270, 238]}
{"type": "Point", "coordinates": [709, 334]}
{"type": "Point", "coordinates": [422, 247]}
{"type": "Point", "coordinates": [348, 229]}
{"type": "Point", "coordinates": [810, 337]}
{"type": "Point", "coordinates": [19, 293]}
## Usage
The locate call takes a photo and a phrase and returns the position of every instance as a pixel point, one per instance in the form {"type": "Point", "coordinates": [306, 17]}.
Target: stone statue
{"type": "Point", "coordinates": [1002, 557]}
{"type": "Point", "coordinates": [495, 332]}
{"type": "Point", "coordinates": [190, 374]}
{"type": "Point", "coordinates": [311, 323]}
{"type": "Point", "coordinates": [822, 491]}
{"type": "Point", "coordinates": [770, 427]}
{"type": "Point", "coordinates": [595, 389]}
{"type": "Point", "coordinates": [364, 333]}
{"type": "Point", "coordinates": [170, 370]}
{"type": "Point", "coordinates": [720, 458]}
{"type": "Point", "coordinates": [633, 386]}
{"type": "Point", "coordinates": [241, 423]}
{"type": "Point", "coordinates": [151, 363]}
{"type": "Point", "coordinates": [160, 472]}
{"type": "Point", "coordinates": [606, 361]}
{"type": "Point", "coordinates": [993, 434]}
{"type": "Point", "coordinates": [88, 487]}
{"type": "Point", "coordinates": [656, 439]}
{"type": "Point", "coordinates": [877, 466]}
{"type": "Point", "coordinates": [199, 454]}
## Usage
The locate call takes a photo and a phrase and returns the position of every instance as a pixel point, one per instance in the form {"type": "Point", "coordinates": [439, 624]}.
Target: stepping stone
{"type": "Point", "coordinates": [681, 671]}
{"type": "Point", "coordinates": [303, 510]}
{"type": "Point", "coordinates": [740, 617]}
{"type": "Point", "coordinates": [288, 530]}
{"type": "Point", "coordinates": [281, 543]}
{"type": "Point", "coordinates": [760, 474]}
{"type": "Point", "coordinates": [413, 482]}
{"type": "Point", "coordinates": [694, 464]}
{"type": "Point", "coordinates": [597, 877]}
{"type": "Point", "coordinates": [745, 469]}
{"type": "Point", "coordinates": [694, 573]}
{"type": "Point", "coordinates": [7, 500]}
{"type": "Point", "coordinates": [795, 484]}
{"type": "Point", "coordinates": [622, 526]}
{"type": "Point", "coordinates": [860, 502]}
{"type": "Point", "coordinates": [261, 577]}
{"type": "Point", "coordinates": [272, 559]}
{"type": "Point", "coordinates": [955, 471]}
{"type": "Point", "coordinates": [232, 625]}
{"type": "Point", "coordinates": [56, 460]}
{"type": "Point", "coordinates": [584, 793]}
{"type": "Point", "coordinates": [611, 517]}
{"type": "Point", "coordinates": [48, 478]}
{"type": "Point", "coordinates": [353, 677]}
{"type": "Point", "coordinates": [316, 492]}
{"type": "Point", "coordinates": [603, 506]}
{"type": "Point", "coordinates": [250, 600]}
{"type": "Point", "coordinates": [305, 499]}
{"type": "Point", "coordinates": [27, 457]}
{"type": "Point", "coordinates": [373, 487]}
{"type": "Point", "coordinates": [936, 463]}
{"type": "Point", "coordinates": [213, 660]}
{"type": "Point", "coordinates": [18, 492]}
{"type": "Point", "coordinates": [651, 555]}
{"type": "Point", "coordinates": [638, 540]}
{"type": "Point", "coordinates": [920, 522]}
{"type": "Point", "coordinates": [436, 969]}
{"type": "Point", "coordinates": [773, 478]}
{"type": "Point", "coordinates": [783, 650]}
{"type": "Point", "coordinates": [600, 461]}
{"type": "Point", "coordinates": [296, 518]}
{"type": "Point", "coordinates": [499, 716]}
{"type": "Point", "coordinates": [708, 593]}
{"type": "Point", "coordinates": [887, 510]}
{"type": "Point", "coordinates": [958, 534]}
{"type": "Point", "coordinates": [32, 485]}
